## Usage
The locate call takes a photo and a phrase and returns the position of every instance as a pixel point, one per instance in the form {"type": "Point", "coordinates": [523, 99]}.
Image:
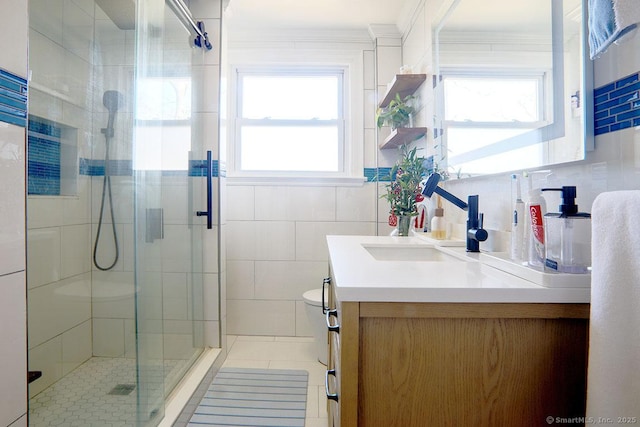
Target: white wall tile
{"type": "Point", "coordinates": [21, 422]}
{"type": "Point", "coordinates": [13, 352]}
{"type": "Point", "coordinates": [389, 60]}
{"type": "Point", "coordinates": [12, 194]}
{"type": "Point", "coordinates": [303, 325]}
{"type": "Point", "coordinates": [240, 203]}
{"type": "Point", "coordinates": [211, 250]}
{"type": "Point", "coordinates": [58, 307]}
{"type": "Point", "coordinates": [241, 279]}
{"type": "Point", "coordinates": [356, 203]}
{"type": "Point", "coordinates": [311, 242]}
{"type": "Point", "coordinates": [44, 256]}
{"type": "Point", "coordinates": [211, 297]}
{"type": "Point", "coordinates": [295, 203]}
{"type": "Point", "coordinates": [76, 347]}
{"type": "Point", "coordinates": [13, 43]}
{"type": "Point", "coordinates": [266, 317]}
{"type": "Point", "coordinates": [113, 294]}
{"type": "Point", "coordinates": [46, 358]}
{"type": "Point", "coordinates": [288, 280]}
{"type": "Point", "coordinates": [76, 247]}
{"type": "Point", "coordinates": [108, 337]}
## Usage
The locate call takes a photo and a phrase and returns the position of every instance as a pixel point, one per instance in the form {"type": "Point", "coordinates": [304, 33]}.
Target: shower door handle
{"type": "Point", "coordinates": [209, 212]}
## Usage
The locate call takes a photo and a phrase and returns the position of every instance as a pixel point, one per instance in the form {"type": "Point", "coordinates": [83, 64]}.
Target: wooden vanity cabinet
{"type": "Point", "coordinates": [456, 364]}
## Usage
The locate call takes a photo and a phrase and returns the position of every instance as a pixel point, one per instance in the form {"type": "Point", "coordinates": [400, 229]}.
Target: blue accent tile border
{"type": "Point", "coordinates": [95, 167]}
{"type": "Point", "coordinates": [13, 99]}
{"type": "Point", "coordinates": [617, 105]}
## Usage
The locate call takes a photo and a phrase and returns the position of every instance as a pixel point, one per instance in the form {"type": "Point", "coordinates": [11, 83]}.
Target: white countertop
{"type": "Point", "coordinates": [358, 276]}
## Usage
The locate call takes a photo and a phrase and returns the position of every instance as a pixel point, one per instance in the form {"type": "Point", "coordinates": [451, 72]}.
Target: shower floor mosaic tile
{"type": "Point", "coordinates": [86, 396]}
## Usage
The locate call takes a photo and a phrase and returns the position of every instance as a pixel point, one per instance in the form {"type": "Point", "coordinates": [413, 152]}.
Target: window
{"type": "Point", "coordinates": [290, 122]}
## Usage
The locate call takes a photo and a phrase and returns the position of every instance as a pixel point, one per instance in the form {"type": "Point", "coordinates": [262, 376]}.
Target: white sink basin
{"type": "Point", "coordinates": [399, 252]}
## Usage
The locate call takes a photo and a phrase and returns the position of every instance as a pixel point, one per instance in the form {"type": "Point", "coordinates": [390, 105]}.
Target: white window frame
{"type": "Point", "coordinates": [351, 63]}
{"type": "Point", "coordinates": [339, 122]}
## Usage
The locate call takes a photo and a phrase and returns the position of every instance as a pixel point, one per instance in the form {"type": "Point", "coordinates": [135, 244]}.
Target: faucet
{"type": "Point", "coordinates": [475, 219]}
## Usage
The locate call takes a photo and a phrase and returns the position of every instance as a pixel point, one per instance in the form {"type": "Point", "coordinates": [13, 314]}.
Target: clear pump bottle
{"type": "Point", "coordinates": [567, 236]}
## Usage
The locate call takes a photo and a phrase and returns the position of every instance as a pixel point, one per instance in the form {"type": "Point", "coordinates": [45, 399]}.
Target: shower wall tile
{"type": "Point", "coordinates": [113, 295]}
{"type": "Point", "coordinates": [202, 9]}
{"type": "Point", "coordinates": [46, 64]}
{"type": "Point", "coordinates": [44, 212]}
{"type": "Point", "coordinates": [44, 256]}
{"type": "Point", "coordinates": [13, 43]}
{"type": "Point", "coordinates": [12, 191]}
{"type": "Point", "coordinates": [13, 351]}
{"type": "Point", "coordinates": [76, 246]}
{"type": "Point", "coordinates": [21, 422]}
{"type": "Point", "coordinates": [76, 347]}
{"type": "Point", "coordinates": [47, 358]}
{"type": "Point", "coordinates": [58, 307]}
{"type": "Point", "coordinates": [77, 32]}
{"type": "Point", "coordinates": [108, 337]}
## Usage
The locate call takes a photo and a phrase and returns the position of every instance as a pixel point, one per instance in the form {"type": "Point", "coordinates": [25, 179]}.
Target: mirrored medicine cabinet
{"type": "Point", "coordinates": [514, 85]}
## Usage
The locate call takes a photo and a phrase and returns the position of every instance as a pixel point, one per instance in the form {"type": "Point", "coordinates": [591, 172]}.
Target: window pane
{"type": "Point", "coordinates": [290, 148]}
{"type": "Point", "coordinates": [290, 97]}
{"type": "Point", "coordinates": [491, 99]}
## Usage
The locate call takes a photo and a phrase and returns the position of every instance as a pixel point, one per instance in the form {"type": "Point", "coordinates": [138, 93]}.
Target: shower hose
{"type": "Point", "coordinates": [106, 191]}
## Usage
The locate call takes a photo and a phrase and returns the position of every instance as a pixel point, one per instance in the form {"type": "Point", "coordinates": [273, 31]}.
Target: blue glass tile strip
{"type": "Point", "coordinates": [617, 105]}
{"type": "Point", "coordinates": [13, 99]}
{"type": "Point", "coordinates": [94, 167]}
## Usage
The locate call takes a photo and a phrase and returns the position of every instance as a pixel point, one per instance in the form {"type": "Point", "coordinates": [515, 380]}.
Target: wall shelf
{"type": "Point", "coordinates": [402, 84]}
{"type": "Point", "coordinates": [401, 136]}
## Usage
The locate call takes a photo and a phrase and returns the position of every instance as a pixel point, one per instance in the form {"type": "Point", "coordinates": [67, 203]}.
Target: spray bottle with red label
{"type": "Point", "coordinates": [536, 208]}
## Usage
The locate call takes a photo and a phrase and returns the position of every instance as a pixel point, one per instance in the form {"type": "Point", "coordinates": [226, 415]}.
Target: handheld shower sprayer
{"type": "Point", "coordinates": [112, 100]}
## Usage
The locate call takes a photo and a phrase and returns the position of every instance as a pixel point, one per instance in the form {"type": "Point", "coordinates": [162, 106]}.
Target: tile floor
{"type": "Point", "coordinates": [284, 353]}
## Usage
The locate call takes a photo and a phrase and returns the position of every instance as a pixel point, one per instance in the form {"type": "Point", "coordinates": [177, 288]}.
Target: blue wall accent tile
{"type": "Point", "coordinates": [601, 99]}
{"type": "Point", "coordinates": [43, 154]}
{"type": "Point", "coordinates": [604, 89]}
{"type": "Point", "coordinates": [622, 108]}
{"type": "Point", "coordinates": [621, 125]}
{"type": "Point", "coordinates": [13, 99]}
{"type": "Point", "coordinates": [627, 80]}
{"type": "Point", "coordinates": [371, 174]}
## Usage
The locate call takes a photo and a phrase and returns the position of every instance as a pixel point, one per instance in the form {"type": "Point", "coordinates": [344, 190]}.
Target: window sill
{"type": "Point", "coordinates": [308, 181]}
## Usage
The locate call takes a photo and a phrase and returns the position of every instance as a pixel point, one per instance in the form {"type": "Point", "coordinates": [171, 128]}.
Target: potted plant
{"type": "Point", "coordinates": [398, 113]}
{"type": "Point", "coordinates": [404, 190]}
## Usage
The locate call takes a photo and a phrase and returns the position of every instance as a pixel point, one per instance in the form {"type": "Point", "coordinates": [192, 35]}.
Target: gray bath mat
{"type": "Point", "coordinates": [254, 397]}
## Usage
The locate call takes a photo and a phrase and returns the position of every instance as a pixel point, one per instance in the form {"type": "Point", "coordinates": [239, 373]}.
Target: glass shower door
{"type": "Point", "coordinates": [167, 170]}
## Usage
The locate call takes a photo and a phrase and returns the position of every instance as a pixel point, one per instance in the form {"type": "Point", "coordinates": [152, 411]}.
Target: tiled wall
{"type": "Point", "coordinates": [13, 351]}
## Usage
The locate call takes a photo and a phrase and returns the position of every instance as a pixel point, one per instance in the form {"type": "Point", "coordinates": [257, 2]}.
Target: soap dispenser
{"type": "Point", "coordinates": [567, 235]}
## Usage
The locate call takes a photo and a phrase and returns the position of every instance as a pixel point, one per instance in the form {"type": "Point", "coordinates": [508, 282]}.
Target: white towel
{"type": "Point", "coordinates": [613, 388]}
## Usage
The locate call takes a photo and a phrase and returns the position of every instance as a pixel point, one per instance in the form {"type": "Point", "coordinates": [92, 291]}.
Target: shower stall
{"type": "Point", "coordinates": [123, 280]}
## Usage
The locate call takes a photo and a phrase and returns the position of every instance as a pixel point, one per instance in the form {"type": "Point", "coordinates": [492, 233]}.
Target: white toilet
{"type": "Point", "coordinates": [313, 305]}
